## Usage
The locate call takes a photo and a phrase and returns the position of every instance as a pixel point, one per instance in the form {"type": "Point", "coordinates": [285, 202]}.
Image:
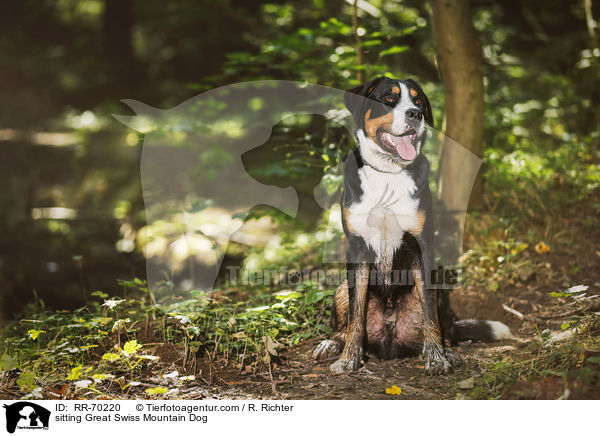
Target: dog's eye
{"type": "Point", "coordinates": [388, 99]}
{"type": "Point", "coordinates": [418, 101]}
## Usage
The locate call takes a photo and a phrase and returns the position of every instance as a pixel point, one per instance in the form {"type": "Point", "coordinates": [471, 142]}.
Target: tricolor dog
{"type": "Point", "coordinates": [387, 305]}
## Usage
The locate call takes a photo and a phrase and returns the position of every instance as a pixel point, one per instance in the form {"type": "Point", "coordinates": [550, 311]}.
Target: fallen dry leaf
{"type": "Point", "coordinates": [541, 247]}
{"type": "Point", "coordinates": [394, 390]}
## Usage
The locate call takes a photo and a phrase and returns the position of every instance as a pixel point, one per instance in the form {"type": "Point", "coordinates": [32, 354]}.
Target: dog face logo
{"type": "Point", "coordinates": [193, 173]}
{"type": "Point", "coordinates": [197, 189]}
{"type": "Point", "coordinates": [26, 415]}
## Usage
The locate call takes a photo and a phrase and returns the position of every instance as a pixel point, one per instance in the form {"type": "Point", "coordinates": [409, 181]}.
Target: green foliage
{"type": "Point", "coordinates": [77, 347]}
{"type": "Point", "coordinates": [237, 328]}
{"type": "Point", "coordinates": [567, 358]}
{"type": "Point", "coordinates": [27, 381]}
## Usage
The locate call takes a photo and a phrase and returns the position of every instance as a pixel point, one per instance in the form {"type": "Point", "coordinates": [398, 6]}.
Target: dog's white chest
{"type": "Point", "coordinates": [385, 211]}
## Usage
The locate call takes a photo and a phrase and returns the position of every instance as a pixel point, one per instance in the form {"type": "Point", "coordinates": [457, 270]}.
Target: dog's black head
{"type": "Point", "coordinates": [390, 117]}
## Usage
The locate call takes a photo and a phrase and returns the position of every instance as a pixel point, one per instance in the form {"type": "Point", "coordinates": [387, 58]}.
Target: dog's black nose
{"type": "Point", "coordinates": [414, 114]}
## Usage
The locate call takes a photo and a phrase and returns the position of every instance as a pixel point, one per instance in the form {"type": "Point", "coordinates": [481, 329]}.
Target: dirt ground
{"type": "Point", "coordinates": [297, 376]}
{"type": "Point", "coordinates": [301, 378]}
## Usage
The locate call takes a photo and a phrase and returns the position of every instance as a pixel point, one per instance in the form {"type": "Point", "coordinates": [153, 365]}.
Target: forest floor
{"type": "Point", "coordinates": [298, 376]}
{"type": "Point", "coordinates": [555, 352]}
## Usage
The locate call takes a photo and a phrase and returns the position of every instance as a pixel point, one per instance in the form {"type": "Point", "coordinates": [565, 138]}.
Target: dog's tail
{"type": "Point", "coordinates": [480, 330]}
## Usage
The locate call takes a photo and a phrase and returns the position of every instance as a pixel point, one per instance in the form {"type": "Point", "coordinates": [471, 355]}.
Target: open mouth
{"type": "Point", "coordinates": [404, 145]}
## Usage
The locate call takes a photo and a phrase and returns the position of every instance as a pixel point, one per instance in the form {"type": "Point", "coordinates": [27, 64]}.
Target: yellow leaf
{"type": "Point", "coordinates": [33, 334]}
{"type": "Point", "coordinates": [542, 247]}
{"type": "Point", "coordinates": [110, 356]}
{"type": "Point", "coordinates": [394, 390]}
{"type": "Point", "coordinates": [100, 377]}
{"type": "Point", "coordinates": [75, 373]}
{"type": "Point", "coordinates": [131, 347]}
{"type": "Point", "coordinates": [519, 249]}
{"type": "Point", "coordinates": [156, 391]}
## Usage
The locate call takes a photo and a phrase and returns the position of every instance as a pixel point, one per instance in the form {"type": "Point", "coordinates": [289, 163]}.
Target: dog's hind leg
{"type": "Point", "coordinates": [447, 324]}
{"type": "Point", "coordinates": [339, 322]}
{"type": "Point", "coordinates": [455, 330]}
{"type": "Point", "coordinates": [447, 317]}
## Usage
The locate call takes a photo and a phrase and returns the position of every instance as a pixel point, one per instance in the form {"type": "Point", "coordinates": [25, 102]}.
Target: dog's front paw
{"type": "Point", "coordinates": [437, 362]}
{"type": "Point", "coordinates": [344, 366]}
{"type": "Point", "coordinates": [437, 366]}
{"type": "Point", "coordinates": [327, 348]}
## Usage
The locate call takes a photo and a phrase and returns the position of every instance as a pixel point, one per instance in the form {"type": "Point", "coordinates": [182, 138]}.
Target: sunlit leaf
{"type": "Point", "coordinates": [75, 373]}
{"type": "Point", "coordinates": [183, 319]}
{"type": "Point", "coordinates": [577, 288]}
{"type": "Point", "coordinates": [100, 377]}
{"type": "Point", "coordinates": [102, 320]}
{"type": "Point", "coordinates": [120, 324]}
{"type": "Point", "coordinates": [99, 294]}
{"type": "Point", "coordinates": [111, 357]}
{"type": "Point", "coordinates": [149, 357]}
{"type": "Point", "coordinates": [34, 334]}
{"type": "Point", "coordinates": [156, 391]}
{"type": "Point", "coordinates": [131, 347]}
{"type": "Point", "coordinates": [112, 303]}
{"type": "Point", "coordinates": [393, 50]}
{"type": "Point", "coordinates": [394, 390]}
{"type": "Point", "coordinates": [541, 248]}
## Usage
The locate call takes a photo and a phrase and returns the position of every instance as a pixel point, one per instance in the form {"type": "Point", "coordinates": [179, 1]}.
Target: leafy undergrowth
{"type": "Point", "coordinates": [124, 346]}
{"type": "Point", "coordinates": [127, 348]}
{"type": "Point", "coordinates": [563, 364]}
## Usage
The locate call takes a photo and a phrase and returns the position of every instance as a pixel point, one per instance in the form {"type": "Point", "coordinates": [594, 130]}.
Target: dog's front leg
{"type": "Point", "coordinates": [433, 349]}
{"type": "Point", "coordinates": [358, 281]}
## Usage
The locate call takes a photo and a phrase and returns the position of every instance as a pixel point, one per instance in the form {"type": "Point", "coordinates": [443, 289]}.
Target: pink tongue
{"type": "Point", "coordinates": [404, 147]}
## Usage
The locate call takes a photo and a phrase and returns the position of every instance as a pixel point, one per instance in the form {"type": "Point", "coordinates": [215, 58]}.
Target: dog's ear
{"type": "Point", "coordinates": [355, 98]}
{"type": "Point", "coordinates": [428, 114]}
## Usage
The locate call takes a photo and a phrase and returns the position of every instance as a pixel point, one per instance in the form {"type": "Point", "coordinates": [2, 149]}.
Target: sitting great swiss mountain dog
{"type": "Point", "coordinates": [386, 305]}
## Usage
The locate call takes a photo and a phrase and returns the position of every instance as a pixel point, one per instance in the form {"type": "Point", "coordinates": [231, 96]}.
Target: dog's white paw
{"type": "Point", "coordinates": [326, 348]}
{"type": "Point", "coordinates": [344, 366]}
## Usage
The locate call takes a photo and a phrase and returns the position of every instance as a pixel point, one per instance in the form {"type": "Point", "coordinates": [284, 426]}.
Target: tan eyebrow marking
{"type": "Point", "coordinates": [413, 92]}
{"type": "Point", "coordinates": [396, 90]}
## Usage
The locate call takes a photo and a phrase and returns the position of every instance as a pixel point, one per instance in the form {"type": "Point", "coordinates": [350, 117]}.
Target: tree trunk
{"type": "Point", "coordinates": [460, 65]}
